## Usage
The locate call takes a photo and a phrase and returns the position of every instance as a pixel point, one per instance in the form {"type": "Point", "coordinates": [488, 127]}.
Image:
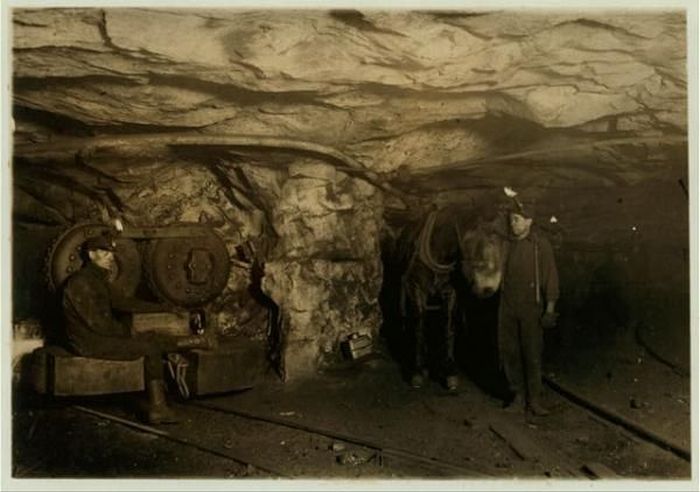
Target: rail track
{"type": "Point", "coordinates": [614, 418]}
{"type": "Point", "coordinates": [182, 441]}
{"type": "Point", "coordinates": [437, 466]}
{"type": "Point", "coordinates": [384, 460]}
{"type": "Point", "coordinates": [353, 450]}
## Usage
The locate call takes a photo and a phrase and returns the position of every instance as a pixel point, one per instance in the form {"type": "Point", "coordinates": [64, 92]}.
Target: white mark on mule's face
{"type": "Point", "coordinates": [486, 283]}
{"type": "Point", "coordinates": [482, 267]}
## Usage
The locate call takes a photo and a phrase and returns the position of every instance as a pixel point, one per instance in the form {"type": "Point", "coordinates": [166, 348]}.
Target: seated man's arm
{"type": "Point", "coordinates": [90, 306]}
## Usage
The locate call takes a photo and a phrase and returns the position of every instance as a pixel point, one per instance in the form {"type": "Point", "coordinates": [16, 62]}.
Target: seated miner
{"type": "Point", "coordinates": [92, 330]}
{"type": "Point", "coordinates": [528, 299]}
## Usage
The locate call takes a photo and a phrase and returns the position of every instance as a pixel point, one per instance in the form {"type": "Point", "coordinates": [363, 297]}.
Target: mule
{"type": "Point", "coordinates": [440, 248]}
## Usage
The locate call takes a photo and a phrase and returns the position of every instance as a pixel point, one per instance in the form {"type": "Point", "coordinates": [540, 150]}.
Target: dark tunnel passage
{"type": "Point", "coordinates": [623, 270]}
{"type": "Point", "coordinates": [623, 267]}
{"type": "Point", "coordinates": [302, 187]}
{"type": "Point", "coordinates": [623, 263]}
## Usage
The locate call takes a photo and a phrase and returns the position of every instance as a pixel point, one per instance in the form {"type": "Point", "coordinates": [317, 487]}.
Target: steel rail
{"type": "Point", "coordinates": [384, 450]}
{"type": "Point", "coordinates": [183, 442]}
{"type": "Point", "coordinates": [400, 454]}
{"type": "Point", "coordinates": [613, 417]}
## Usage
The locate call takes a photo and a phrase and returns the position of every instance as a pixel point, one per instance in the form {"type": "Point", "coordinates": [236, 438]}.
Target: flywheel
{"type": "Point", "coordinates": [188, 271]}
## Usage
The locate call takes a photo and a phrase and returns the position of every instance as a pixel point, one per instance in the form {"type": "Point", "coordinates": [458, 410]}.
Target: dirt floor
{"type": "Point", "coordinates": [370, 423]}
{"type": "Point", "coordinates": [630, 381]}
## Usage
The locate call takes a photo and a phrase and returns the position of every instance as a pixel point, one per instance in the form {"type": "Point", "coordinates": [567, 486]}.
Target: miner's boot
{"type": "Point", "coordinates": [201, 342]}
{"type": "Point", "coordinates": [537, 409]}
{"type": "Point", "coordinates": [451, 377]}
{"type": "Point", "coordinates": [157, 409]}
{"type": "Point", "coordinates": [516, 404]}
{"type": "Point", "coordinates": [418, 378]}
{"type": "Point", "coordinates": [452, 382]}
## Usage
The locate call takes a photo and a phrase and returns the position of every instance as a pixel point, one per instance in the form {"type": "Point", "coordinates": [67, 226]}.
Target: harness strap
{"type": "Point", "coordinates": [424, 247]}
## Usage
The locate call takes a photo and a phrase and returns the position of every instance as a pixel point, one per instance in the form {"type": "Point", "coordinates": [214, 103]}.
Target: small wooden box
{"type": "Point", "coordinates": [57, 372]}
{"type": "Point", "coordinates": [357, 346]}
{"type": "Point", "coordinates": [236, 365]}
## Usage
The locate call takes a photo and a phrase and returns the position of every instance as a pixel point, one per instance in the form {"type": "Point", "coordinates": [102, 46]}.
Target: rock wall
{"type": "Point", "coordinates": [157, 193]}
{"type": "Point", "coordinates": [326, 272]}
{"type": "Point", "coordinates": [315, 230]}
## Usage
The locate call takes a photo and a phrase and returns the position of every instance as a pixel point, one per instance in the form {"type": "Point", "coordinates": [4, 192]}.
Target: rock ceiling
{"type": "Point", "coordinates": [415, 100]}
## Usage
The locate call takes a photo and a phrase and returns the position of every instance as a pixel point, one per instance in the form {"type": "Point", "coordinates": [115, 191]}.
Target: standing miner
{"type": "Point", "coordinates": [528, 299]}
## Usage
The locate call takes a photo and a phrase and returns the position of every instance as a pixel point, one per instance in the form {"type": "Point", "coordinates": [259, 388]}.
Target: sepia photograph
{"type": "Point", "coordinates": [359, 246]}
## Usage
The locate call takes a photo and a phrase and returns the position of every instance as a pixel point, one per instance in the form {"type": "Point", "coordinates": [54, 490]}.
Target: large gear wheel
{"type": "Point", "coordinates": [64, 259]}
{"type": "Point", "coordinates": [188, 271]}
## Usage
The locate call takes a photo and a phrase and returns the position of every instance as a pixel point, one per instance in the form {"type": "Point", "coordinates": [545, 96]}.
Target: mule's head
{"type": "Point", "coordinates": [483, 257]}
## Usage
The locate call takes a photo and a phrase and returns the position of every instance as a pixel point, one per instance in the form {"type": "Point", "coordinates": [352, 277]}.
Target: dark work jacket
{"type": "Point", "coordinates": [520, 280]}
{"type": "Point", "coordinates": [91, 327]}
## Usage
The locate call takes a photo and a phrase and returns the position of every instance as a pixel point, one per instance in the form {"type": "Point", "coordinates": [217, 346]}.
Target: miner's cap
{"type": "Point", "coordinates": [102, 241]}
{"type": "Point", "coordinates": [523, 206]}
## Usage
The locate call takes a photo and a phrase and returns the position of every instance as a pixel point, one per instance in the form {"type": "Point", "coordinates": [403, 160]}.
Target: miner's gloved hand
{"type": "Point", "coordinates": [549, 320]}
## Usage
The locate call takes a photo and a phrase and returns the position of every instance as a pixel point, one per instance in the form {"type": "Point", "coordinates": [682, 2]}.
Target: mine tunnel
{"type": "Point", "coordinates": [265, 177]}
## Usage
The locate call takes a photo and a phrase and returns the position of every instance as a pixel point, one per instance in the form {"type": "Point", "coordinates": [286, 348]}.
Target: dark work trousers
{"type": "Point", "coordinates": [520, 343]}
{"type": "Point", "coordinates": [151, 348]}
